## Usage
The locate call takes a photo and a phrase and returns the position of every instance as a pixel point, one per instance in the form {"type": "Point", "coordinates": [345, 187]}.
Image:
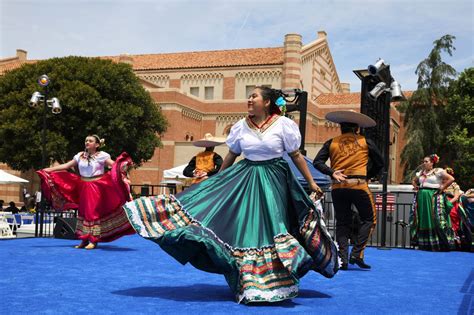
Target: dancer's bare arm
{"type": "Point", "coordinates": [228, 160]}
{"type": "Point", "coordinates": [61, 167]}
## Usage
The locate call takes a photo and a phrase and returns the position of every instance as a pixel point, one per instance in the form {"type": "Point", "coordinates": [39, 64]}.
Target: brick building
{"type": "Point", "coordinates": [205, 92]}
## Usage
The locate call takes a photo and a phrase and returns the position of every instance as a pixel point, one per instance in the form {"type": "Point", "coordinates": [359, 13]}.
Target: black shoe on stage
{"type": "Point", "coordinates": [359, 262]}
{"type": "Point", "coordinates": [343, 266]}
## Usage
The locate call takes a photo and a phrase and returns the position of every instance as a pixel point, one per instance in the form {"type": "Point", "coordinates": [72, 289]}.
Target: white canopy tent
{"type": "Point", "coordinates": [7, 178]}
{"type": "Point", "coordinates": [175, 172]}
{"type": "Point", "coordinates": [5, 229]}
{"type": "Point", "coordinates": [174, 176]}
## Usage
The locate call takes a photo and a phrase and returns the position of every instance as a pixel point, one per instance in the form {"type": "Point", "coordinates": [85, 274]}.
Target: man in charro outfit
{"type": "Point", "coordinates": [349, 154]}
{"type": "Point", "coordinates": [205, 163]}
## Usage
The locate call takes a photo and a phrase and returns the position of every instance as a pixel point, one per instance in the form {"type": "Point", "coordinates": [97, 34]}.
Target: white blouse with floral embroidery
{"type": "Point", "coordinates": [431, 179]}
{"type": "Point", "coordinates": [92, 167]}
{"type": "Point", "coordinates": [280, 135]}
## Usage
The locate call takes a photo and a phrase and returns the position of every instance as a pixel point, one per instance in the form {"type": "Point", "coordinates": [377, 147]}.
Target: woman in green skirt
{"type": "Point", "coordinates": [430, 225]}
{"type": "Point", "coordinates": [252, 222]}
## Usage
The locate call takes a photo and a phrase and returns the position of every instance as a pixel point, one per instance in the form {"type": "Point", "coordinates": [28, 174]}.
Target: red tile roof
{"type": "Point", "coordinates": [186, 60]}
{"type": "Point", "coordinates": [8, 66]}
{"type": "Point", "coordinates": [207, 59]}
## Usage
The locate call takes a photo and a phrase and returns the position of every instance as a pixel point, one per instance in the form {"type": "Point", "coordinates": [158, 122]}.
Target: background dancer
{"type": "Point", "coordinates": [98, 197]}
{"type": "Point", "coordinates": [349, 154]}
{"type": "Point", "coordinates": [457, 214]}
{"type": "Point", "coordinates": [205, 163]}
{"type": "Point", "coordinates": [430, 225]}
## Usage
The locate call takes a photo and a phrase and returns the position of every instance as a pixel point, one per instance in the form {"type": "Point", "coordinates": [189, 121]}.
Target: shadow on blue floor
{"type": "Point", "coordinates": [199, 292]}
{"type": "Point", "coordinates": [134, 276]}
{"type": "Point", "coordinates": [195, 292]}
{"type": "Point", "coordinates": [101, 248]}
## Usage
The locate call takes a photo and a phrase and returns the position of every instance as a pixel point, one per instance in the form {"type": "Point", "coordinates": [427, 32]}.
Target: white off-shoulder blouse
{"type": "Point", "coordinates": [431, 179]}
{"type": "Point", "coordinates": [269, 142]}
{"type": "Point", "coordinates": [92, 167]}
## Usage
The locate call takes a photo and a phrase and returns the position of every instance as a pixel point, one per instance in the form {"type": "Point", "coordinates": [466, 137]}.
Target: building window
{"type": "Point", "coordinates": [323, 75]}
{"type": "Point", "coordinates": [209, 93]}
{"type": "Point", "coordinates": [189, 137]}
{"type": "Point", "coordinates": [194, 91]}
{"type": "Point", "coordinates": [249, 90]}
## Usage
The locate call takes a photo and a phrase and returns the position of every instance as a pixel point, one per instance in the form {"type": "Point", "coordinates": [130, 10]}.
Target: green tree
{"type": "Point", "coordinates": [424, 110]}
{"type": "Point", "coordinates": [459, 114]}
{"type": "Point", "coordinates": [97, 96]}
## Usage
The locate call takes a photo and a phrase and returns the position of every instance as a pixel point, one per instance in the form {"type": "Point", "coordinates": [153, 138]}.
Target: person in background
{"type": "Point", "coordinates": [467, 201]}
{"type": "Point", "coordinates": [354, 160]}
{"type": "Point", "coordinates": [457, 214]}
{"type": "Point", "coordinates": [31, 204]}
{"type": "Point", "coordinates": [205, 163]}
{"type": "Point", "coordinates": [12, 208]}
{"type": "Point", "coordinates": [25, 192]}
{"type": "Point", "coordinates": [430, 224]}
{"type": "Point", "coordinates": [97, 195]}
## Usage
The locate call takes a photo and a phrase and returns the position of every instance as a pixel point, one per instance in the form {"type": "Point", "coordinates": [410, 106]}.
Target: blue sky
{"type": "Point", "coordinates": [359, 32]}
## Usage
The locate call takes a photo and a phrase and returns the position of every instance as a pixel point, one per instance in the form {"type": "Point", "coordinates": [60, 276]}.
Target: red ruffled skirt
{"type": "Point", "coordinates": [99, 201]}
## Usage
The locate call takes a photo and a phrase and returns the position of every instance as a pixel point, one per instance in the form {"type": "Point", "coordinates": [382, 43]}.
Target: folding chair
{"type": "Point", "coordinates": [5, 230]}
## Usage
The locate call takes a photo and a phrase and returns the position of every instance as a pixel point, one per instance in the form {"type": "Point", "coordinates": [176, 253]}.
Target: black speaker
{"type": "Point", "coordinates": [145, 191]}
{"type": "Point", "coordinates": [65, 228]}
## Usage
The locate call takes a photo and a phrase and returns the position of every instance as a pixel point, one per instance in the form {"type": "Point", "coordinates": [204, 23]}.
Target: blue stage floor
{"type": "Point", "coordinates": [134, 276]}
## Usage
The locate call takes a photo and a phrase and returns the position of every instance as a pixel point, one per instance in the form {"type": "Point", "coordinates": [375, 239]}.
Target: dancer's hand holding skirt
{"type": "Point", "coordinates": [99, 201]}
{"type": "Point", "coordinates": [253, 223]}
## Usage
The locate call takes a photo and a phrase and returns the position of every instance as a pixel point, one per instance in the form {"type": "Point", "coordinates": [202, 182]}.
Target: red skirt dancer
{"type": "Point", "coordinates": [99, 200]}
{"type": "Point", "coordinates": [454, 215]}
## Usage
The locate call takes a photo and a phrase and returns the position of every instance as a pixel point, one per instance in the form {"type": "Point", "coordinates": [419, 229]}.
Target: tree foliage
{"type": "Point", "coordinates": [459, 114]}
{"type": "Point", "coordinates": [97, 96]}
{"type": "Point", "coordinates": [424, 112]}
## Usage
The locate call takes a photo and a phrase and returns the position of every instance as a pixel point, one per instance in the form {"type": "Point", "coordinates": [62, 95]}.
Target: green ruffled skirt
{"type": "Point", "coordinates": [252, 222]}
{"type": "Point", "coordinates": [430, 225]}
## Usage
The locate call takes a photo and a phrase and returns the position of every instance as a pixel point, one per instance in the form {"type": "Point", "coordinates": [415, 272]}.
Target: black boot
{"type": "Point", "coordinates": [359, 262]}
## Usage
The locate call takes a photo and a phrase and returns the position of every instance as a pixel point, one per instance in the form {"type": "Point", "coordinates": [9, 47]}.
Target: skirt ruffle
{"type": "Point", "coordinates": [99, 202]}
{"type": "Point", "coordinates": [225, 235]}
{"type": "Point", "coordinates": [430, 224]}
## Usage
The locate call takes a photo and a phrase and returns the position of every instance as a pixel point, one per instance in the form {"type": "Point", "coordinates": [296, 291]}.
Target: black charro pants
{"type": "Point", "coordinates": [344, 195]}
